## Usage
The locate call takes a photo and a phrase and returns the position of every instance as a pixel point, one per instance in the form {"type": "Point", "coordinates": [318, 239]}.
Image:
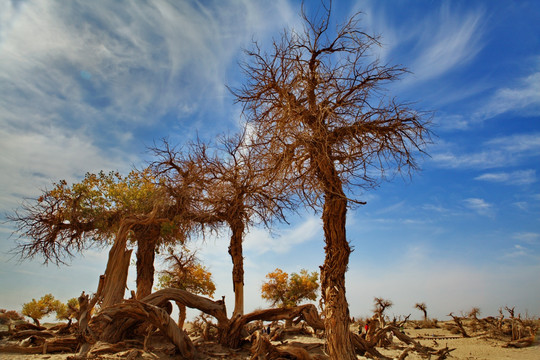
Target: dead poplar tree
{"type": "Point", "coordinates": [235, 192]}
{"type": "Point", "coordinates": [423, 308]}
{"type": "Point", "coordinates": [320, 119]}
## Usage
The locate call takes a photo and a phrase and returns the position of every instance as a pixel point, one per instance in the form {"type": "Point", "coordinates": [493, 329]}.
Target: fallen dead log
{"type": "Point", "coordinates": [67, 344]}
{"type": "Point", "coordinates": [262, 349]}
{"type": "Point", "coordinates": [27, 333]}
{"type": "Point", "coordinates": [154, 315]}
{"type": "Point", "coordinates": [233, 335]}
{"type": "Point", "coordinates": [117, 330]}
{"type": "Point", "coordinates": [363, 346]}
{"type": "Point", "coordinates": [521, 343]}
{"type": "Point", "coordinates": [459, 324]}
{"type": "Point", "coordinates": [28, 326]}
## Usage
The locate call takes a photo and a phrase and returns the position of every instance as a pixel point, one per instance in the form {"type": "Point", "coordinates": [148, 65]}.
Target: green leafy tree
{"type": "Point", "coordinates": [101, 208]}
{"type": "Point", "coordinates": [68, 311]}
{"type": "Point", "coordinates": [185, 272]}
{"type": "Point", "coordinates": [36, 310]}
{"type": "Point", "coordinates": [284, 291]}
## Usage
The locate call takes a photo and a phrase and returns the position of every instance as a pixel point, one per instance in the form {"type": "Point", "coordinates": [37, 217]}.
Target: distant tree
{"type": "Point", "coordinates": [7, 317]}
{"type": "Point", "coordinates": [475, 311]}
{"type": "Point", "coordinates": [423, 308]}
{"type": "Point", "coordinates": [380, 307]}
{"type": "Point", "coordinates": [186, 273]}
{"type": "Point", "coordinates": [320, 118]}
{"type": "Point", "coordinates": [68, 311]}
{"type": "Point", "coordinates": [36, 310]}
{"type": "Point", "coordinates": [284, 291]}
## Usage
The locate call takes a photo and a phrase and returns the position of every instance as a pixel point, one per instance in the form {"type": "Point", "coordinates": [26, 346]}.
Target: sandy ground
{"type": "Point", "coordinates": [479, 347]}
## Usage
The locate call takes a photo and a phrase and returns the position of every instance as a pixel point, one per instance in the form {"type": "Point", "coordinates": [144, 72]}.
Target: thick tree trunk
{"type": "Point", "coordinates": [235, 250]}
{"type": "Point", "coordinates": [116, 273]}
{"type": "Point", "coordinates": [147, 238]}
{"type": "Point", "coordinates": [337, 250]}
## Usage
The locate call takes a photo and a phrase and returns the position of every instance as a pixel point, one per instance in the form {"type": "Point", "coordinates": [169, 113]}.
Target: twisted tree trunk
{"type": "Point", "coordinates": [337, 250]}
{"type": "Point", "coordinates": [235, 250]}
{"type": "Point", "coordinates": [147, 239]}
{"type": "Point", "coordinates": [116, 272]}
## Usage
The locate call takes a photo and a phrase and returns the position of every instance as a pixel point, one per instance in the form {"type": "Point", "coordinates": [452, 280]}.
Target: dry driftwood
{"type": "Point", "coordinates": [66, 344]}
{"type": "Point", "coordinates": [233, 335]}
{"type": "Point", "coordinates": [156, 316]}
{"type": "Point", "coordinates": [457, 320]}
{"type": "Point", "coordinates": [368, 346]}
{"type": "Point", "coordinates": [230, 331]}
{"type": "Point", "coordinates": [262, 349]}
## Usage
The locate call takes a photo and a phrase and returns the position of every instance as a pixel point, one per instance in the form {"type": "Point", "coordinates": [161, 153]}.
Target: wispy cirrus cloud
{"type": "Point", "coordinates": [78, 80]}
{"type": "Point", "coordinates": [528, 237]}
{"type": "Point", "coordinates": [455, 39]}
{"type": "Point", "coordinates": [523, 97]}
{"type": "Point", "coordinates": [480, 206]}
{"type": "Point", "coordinates": [497, 152]}
{"type": "Point", "coordinates": [521, 177]}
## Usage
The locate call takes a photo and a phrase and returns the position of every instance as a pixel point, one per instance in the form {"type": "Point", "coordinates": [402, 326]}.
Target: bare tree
{"type": "Point", "coordinates": [321, 120]}
{"type": "Point", "coordinates": [423, 308]}
{"type": "Point", "coordinates": [235, 192]}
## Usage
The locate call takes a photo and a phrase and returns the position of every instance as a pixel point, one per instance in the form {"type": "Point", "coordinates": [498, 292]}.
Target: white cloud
{"type": "Point", "coordinates": [498, 152]}
{"type": "Point", "coordinates": [452, 41]}
{"type": "Point", "coordinates": [517, 251]}
{"type": "Point", "coordinates": [528, 237]}
{"type": "Point", "coordinates": [524, 97]}
{"type": "Point", "coordinates": [521, 177]}
{"type": "Point", "coordinates": [30, 162]}
{"type": "Point", "coordinates": [259, 241]}
{"type": "Point", "coordinates": [479, 205]}
{"type": "Point", "coordinates": [78, 80]}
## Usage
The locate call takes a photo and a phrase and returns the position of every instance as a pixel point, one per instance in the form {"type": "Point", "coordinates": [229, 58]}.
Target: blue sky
{"type": "Point", "coordinates": [88, 86]}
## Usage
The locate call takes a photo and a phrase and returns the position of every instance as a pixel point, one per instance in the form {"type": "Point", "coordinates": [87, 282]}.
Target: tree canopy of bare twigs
{"type": "Point", "coordinates": [235, 191]}
{"type": "Point", "coordinates": [423, 308]}
{"type": "Point", "coordinates": [321, 119]}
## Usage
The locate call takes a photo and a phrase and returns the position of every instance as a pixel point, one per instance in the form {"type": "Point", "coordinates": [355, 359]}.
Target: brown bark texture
{"type": "Point", "coordinates": [116, 272]}
{"type": "Point", "coordinates": [147, 237]}
{"type": "Point", "coordinates": [235, 250]}
{"type": "Point", "coordinates": [156, 316]}
{"type": "Point", "coordinates": [336, 308]}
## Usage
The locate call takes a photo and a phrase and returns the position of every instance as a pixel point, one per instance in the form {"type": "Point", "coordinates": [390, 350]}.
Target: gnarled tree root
{"type": "Point", "coordinates": [156, 316]}
{"type": "Point", "coordinates": [262, 349]}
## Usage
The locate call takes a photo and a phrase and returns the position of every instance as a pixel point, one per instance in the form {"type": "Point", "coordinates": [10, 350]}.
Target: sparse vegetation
{"type": "Point", "coordinates": [319, 127]}
{"type": "Point", "coordinates": [37, 309]}
{"type": "Point", "coordinates": [284, 291]}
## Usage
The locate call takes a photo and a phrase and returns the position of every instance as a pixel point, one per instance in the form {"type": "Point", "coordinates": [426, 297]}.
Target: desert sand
{"type": "Point", "coordinates": [478, 347]}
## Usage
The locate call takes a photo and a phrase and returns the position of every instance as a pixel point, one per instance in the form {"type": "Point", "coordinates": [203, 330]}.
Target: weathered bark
{"type": "Point", "coordinates": [262, 349]}
{"type": "Point", "coordinates": [116, 330]}
{"type": "Point", "coordinates": [457, 320]}
{"type": "Point", "coordinates": [235, 250]}
{"type": "Point", "coordinates": [67, 344]}
{"type": "Point", "coordinates": [156, 316]}
{"type": "Point", "coordinates": [84, 333]}
{"type": "Point", "coordinates": [337, 250]}
{"type": "Point", "coordinates": [233, 335]}
{"type": "Point", "coordinates": [116, 272]}
{"type": "Point", "coordinates": [147, 238]}
{"type": "Point", "coordinates": [181, 315]}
